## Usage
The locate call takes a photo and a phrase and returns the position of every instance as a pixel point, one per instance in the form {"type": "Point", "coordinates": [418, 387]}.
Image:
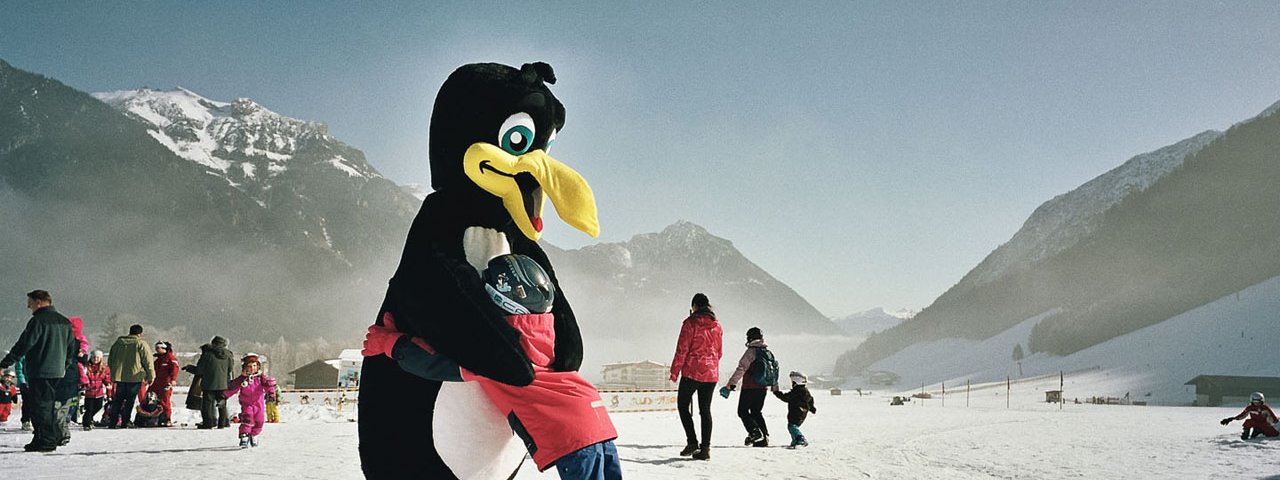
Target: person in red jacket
{"type": "Point", "coordinates": [97, 389]}
{"type": "Point", "coordinates": [697, 366]}
{"type": "Point", "coordinates": [166, 367]}
{"type": "Point", "coordinates": [1261, 419]}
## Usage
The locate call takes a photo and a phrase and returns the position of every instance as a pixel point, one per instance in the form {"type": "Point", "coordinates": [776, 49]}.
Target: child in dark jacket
{"type": "Point", "coordinates": [799, 405]}
{"type": "Point", "coordinates": [560, 417]}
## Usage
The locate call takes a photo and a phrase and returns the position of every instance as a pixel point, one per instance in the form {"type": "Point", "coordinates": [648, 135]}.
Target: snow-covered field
{"type": "Point", "coordinates": [851, 436]}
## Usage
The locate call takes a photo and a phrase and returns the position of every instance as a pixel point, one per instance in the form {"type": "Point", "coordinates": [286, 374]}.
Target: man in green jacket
{"type": "Point", "coordinates": [48, 348]}
{"type": "Point", "coordinates": [130, 364]}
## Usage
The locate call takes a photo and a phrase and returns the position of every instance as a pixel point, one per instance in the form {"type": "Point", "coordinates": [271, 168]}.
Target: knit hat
{"type": "Point", "coordinates": [754, 333]}
{"type": "Point", "coordinates": [218, 341]}
{"type": "Point", "coordinates": [799, 378]}
{"type": "Point", "coordinates": [700, 300]}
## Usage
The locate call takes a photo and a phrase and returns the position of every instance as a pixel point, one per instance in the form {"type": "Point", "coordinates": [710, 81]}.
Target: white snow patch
{"type": "Point", "coordinates": [850, 436]}
{"type": "Point", "coordinates": [339, 162]}
{"type": "Point", "coordinates": [1151, 364]}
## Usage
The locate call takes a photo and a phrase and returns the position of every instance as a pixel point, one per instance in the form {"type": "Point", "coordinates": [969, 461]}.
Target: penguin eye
{"type": "Point", "coordinates": [516, 134]}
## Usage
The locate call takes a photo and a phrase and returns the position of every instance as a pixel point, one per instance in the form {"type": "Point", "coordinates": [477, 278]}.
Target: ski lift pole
{"type": "Point", "coordinates": [1061, 390]}
{"type": "Point", "coordinates": [966, 392]}
{"type": "Point", "coordinates": [1008, 388]}
{"type": "Point", "coordinates": [944, 394]}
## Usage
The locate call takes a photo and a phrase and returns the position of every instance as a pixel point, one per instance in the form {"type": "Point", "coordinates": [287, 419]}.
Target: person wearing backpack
{"type": "Point", "coordinates": [758, 372]}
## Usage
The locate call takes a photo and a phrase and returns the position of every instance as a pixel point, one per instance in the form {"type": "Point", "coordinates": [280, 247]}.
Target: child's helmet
{"type": "Point", "coordinates": [518, 284]}
{"type": "Point", "coordinates": [152, 397]}
{"type": "Point", "coordinates": [250, 358]}
{"type": "Point", "coordinates": [1257, 397]}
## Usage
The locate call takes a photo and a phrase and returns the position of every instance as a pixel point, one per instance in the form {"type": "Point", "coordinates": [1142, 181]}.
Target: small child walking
{"type": "Point", "coordinates": [273, 405]}
{"type": "Point", "coordinates": [252, 386]}
{"type": "Point", "coordinates": [1261, 419]}
{"type": "Point", "coordinates": [799, 406]}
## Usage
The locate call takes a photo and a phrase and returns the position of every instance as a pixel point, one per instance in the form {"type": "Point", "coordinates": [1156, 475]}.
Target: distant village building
{"type": "Point", "coordinates": [341, 372]}
{"type": "Point", "coordinates": [643, 375]}
{"type": "Point", "coordinates": [1227, 390]}
{"type": "Point", "coordinates": [1053, 396]}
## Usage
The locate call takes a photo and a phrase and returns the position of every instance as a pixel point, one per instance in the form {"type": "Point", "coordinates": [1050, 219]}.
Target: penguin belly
{"type": "Point", "coordinates": [472, 436]}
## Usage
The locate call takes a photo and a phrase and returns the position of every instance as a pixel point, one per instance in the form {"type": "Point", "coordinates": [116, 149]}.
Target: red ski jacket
{"type": "Point", "coordinates": [1260, 415]}
{"type": "Point", "coordinates": [559, 413]}
{"type": "Point", "coordinates": [99, 384]}
{"type": "Point", "coordinates": [699, 349]}
{"type": "Point", "coordinates": [166, 367]}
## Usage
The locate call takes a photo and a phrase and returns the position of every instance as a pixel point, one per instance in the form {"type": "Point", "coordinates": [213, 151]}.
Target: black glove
{"type": "Point", "coordinates": [1227, 420]}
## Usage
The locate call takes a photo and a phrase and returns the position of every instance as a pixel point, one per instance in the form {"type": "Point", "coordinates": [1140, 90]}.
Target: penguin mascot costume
{"type": "Point", "coordinates": [491, 129]}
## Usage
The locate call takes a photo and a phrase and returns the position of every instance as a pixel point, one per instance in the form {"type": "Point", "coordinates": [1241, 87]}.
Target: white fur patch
{"type": "Point", "coordinates": [482, 244]}
{"type": "Point", "coordinates": [472, 437]}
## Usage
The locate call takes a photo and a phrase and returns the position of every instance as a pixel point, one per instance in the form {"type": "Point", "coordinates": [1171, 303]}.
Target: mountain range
{"type": "Point", "coordinates": [1164, 233]}
{"type": "Point", "coordinates": [227, 218]}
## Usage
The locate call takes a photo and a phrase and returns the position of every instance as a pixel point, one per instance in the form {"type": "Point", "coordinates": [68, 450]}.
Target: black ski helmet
{"type": "Point", "coordinates": [519, 285]}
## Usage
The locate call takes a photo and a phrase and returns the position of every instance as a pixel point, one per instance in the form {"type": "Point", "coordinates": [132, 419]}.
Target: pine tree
{"type": "Point", "coordinates": [1017, 352]}
{"type": "Point", "coordinates": [110, 331]}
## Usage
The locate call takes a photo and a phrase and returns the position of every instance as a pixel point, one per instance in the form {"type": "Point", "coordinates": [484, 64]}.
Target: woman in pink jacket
{"type": "Point", "coordinates": [252, 386]}
{"type": "Point", "coordinates": [697, 366]}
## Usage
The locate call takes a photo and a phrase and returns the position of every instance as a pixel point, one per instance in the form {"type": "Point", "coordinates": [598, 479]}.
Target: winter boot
{"type": "Point", "coordinates": [703, 453]}
{"type": "Point", "coordinates": [253, 440]}
{"type": "Point", "coordinates": [244, 441]}
{"type": "Point", "coordinates": [753, 437]}
{"type": "Point", "coordinates": [689, 449]}
{"type": "Point", "coordinates": [763, 442]}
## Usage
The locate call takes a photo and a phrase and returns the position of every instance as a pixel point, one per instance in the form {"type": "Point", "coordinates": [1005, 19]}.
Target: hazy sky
{"type": "Point", "coordinates": [865, 153]}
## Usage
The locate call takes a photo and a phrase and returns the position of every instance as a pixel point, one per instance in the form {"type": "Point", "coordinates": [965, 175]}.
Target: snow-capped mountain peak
{"type": "Point", "coordinates": [241, 141]}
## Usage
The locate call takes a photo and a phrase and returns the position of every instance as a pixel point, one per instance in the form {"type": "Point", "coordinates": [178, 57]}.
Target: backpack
{"type": "Point", "coordinates": [764, 369]}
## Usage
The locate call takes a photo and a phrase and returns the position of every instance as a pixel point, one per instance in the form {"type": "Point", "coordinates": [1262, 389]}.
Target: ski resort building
{"type": "Point", "coordinates": [341, 372]}
{"type": "Point", "coordinates": [1227, 390]}
{"type": "Point", "coordinates": [643, 375]}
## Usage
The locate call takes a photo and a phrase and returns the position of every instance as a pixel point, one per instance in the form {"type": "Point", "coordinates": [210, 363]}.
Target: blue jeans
{"type": "Point", "coordinates": [593, 462]}
{"type": "Point", "coordinates": [796, 436]}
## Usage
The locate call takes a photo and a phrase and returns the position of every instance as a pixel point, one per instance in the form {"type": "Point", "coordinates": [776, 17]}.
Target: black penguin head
{"type": "Point", "coordinates": [491, 129]}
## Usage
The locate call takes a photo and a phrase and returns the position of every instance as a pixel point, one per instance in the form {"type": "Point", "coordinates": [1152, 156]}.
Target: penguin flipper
{"type": "Point", "coordinates": [442, 300]}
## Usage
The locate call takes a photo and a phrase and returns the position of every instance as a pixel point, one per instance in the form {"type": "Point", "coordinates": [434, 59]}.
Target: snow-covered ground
{"type": "Point", "coordinates": [1151, 364]}
{"type": "Point", "coordinates": [851, 436]}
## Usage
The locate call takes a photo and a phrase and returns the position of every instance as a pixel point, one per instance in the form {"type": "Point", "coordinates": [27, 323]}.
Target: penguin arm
{"type": "Point", "coordinates": [442, 300]}
{"type": "Point", "coordinates": [568, 354]}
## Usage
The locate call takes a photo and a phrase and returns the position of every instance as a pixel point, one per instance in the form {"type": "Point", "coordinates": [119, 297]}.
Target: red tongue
{"type": "Point", "coordinates": [537, 224]}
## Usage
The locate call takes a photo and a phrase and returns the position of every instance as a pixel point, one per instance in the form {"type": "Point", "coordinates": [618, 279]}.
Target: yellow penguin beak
{"type": "Point", "coordinates": [520, 181]}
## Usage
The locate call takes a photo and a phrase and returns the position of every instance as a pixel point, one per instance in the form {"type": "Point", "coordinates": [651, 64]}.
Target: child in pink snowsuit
{"type": "Point", "coordinates": [252, 387]}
